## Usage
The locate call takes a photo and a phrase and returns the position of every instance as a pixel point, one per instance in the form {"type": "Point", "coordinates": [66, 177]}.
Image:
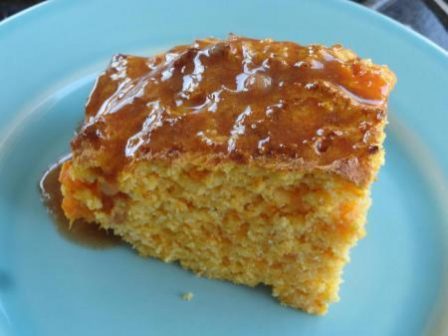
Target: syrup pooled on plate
{"type": "Point", "coordinates": [79, 232]}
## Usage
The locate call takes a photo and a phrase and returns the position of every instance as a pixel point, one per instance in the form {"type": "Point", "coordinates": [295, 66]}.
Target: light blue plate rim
{"type": "Point", "coordinates": [22, 15]}
{"type": "Point", "coordinates": [431, 136]}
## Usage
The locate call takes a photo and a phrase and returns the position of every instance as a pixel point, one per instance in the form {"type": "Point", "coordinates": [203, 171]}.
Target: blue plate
{"type": "Point", "coordinates": [397, 281]}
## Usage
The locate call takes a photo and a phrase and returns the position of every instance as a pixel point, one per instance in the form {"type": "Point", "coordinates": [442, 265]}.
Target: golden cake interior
{"type": "Point", "coordinates": [245, 160]}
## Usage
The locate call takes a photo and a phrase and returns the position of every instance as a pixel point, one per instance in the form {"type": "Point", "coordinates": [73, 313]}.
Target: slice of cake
{"type": "Point", "coordinates": [246, 160]}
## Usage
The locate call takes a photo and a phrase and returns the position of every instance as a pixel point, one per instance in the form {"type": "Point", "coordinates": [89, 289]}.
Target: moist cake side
{"type": "Point", "coordinates": [246, 160]}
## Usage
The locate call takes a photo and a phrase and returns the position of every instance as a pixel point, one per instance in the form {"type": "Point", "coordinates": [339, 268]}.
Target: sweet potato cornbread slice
{"type": "Point", "coordinates": [246, 160]}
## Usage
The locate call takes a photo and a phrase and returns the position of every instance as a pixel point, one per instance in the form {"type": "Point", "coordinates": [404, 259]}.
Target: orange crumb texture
{"type": "Point", "coordinates": [246, 160]}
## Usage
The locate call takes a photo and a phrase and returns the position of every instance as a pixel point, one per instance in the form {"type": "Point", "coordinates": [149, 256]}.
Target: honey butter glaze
{"type": "Point", "coordinates": [242, 99]}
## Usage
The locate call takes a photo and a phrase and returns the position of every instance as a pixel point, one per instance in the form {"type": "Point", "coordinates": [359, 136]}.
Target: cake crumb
{"type": "Point", "coordinates": [188, 296]}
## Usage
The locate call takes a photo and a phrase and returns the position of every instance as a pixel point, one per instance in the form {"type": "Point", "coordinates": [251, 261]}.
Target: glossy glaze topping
{"type": "Point", "coordinates": [239, 98]}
